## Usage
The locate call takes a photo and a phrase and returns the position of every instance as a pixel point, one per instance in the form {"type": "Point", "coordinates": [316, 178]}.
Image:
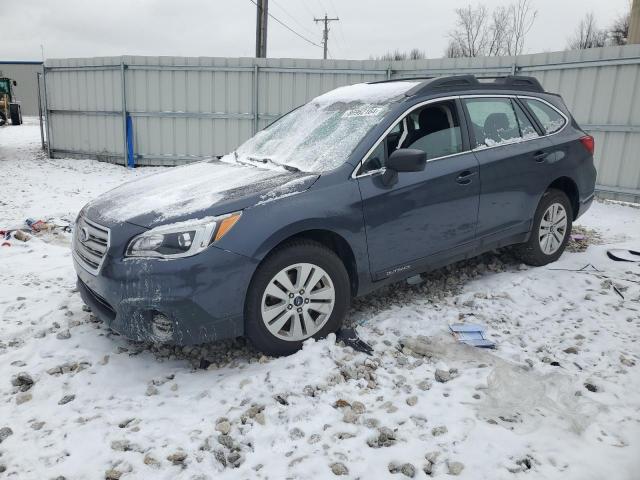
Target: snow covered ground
{"type": "Point", "coordinates": [558, 399]}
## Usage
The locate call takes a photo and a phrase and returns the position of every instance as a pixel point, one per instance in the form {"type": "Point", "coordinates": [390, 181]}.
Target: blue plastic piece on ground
{"type": "Point", "coordinates": [471, 334]}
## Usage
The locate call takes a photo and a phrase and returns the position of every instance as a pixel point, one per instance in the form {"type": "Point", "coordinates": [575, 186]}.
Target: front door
{"type": "Point", "coordinates": [425, 214]}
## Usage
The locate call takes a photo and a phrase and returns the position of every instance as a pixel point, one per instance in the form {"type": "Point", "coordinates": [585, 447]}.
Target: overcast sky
{"type": "Point", "coordinates": [225, 28]}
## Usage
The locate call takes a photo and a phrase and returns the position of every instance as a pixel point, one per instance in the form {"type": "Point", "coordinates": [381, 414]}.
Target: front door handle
{"type": "Point", "coordinates": [540, 156]}
{"type": "Point", "coordinates": [465, 177]}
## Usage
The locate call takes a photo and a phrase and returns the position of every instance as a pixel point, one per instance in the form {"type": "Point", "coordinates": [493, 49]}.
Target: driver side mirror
{"type": "Point", "coordinates": [15, 84]}
{"type": "Point", "coordinates": [403, 160]}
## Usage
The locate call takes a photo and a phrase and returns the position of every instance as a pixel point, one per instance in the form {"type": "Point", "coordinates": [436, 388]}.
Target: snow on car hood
{"type": "Point", "coordinates": [195, 190]}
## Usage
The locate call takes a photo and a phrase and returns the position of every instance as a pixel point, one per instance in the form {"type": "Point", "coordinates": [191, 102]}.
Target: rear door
{"type": "Point", "coordinates": [513, 160]}
{"type": "Point", "coordinates": [425, 213]}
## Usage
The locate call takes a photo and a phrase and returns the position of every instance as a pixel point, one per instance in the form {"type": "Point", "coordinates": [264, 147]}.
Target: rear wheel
{"type": "Point", "coordinates": [3, 118]}
{"type": "Point", "coordinates": [550, 231]}
{"type": "Point", "coordinates": [300, 291]}
{"type": "Point", "coordinates": [15, 112]}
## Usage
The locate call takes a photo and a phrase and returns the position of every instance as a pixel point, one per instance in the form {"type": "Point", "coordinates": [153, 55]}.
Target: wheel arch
{"type": "Point", "coordinates": [331, 240]}
{"type": "Point", "coordinates": [570, 188]}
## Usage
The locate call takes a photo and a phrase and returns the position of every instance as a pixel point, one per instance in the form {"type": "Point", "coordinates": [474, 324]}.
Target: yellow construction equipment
{"type": "Point", "coordinates": [9, 106]}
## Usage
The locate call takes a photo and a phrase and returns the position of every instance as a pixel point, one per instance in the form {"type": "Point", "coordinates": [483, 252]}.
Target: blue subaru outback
{"type": "Point", "coordinates": [365, 185]}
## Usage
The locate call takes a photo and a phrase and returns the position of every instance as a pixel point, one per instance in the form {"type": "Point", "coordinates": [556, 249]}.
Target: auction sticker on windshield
{"type": "Point", "coordinates": [364, 111]}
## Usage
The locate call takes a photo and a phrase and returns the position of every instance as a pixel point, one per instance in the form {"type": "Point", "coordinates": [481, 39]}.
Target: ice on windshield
{"type": "Point", "coordinates": [320, 135]}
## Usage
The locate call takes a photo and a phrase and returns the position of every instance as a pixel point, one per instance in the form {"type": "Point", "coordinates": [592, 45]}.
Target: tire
{"type": "Point", "coordinates": [296, 260]}
{"type": "Point", "coordinates": [3, 119]}
{"type": "Point", "coordinates": [15, 113]}
{"type": "Point", "coordinates": [548, 239]}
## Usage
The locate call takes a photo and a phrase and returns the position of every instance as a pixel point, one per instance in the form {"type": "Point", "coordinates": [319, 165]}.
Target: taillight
{"type": "Point", "coordinates": [588, 143]}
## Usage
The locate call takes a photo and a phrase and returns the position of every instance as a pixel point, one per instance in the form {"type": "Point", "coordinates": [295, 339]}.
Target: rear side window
{"type": "Point", "coordinates": [493, 121]}
{"type": "Point", "coordinates": [548, 117]}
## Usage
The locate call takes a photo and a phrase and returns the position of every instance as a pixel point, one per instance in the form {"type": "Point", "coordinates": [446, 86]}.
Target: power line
{"type": "Point", "coordinates": [343, 40]}
{"type": "Point", "coordinates": [289, 28]}
{"type": "Point", "coordinates": [304, 4]}
{"type": "Point", "coordinates": [293, 18]}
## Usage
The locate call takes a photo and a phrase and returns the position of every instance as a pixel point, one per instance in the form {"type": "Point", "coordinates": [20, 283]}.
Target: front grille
{"type": "Point", "coordinates": [90, 244]}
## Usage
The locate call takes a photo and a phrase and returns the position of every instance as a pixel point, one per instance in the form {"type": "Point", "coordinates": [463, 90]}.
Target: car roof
{"type": "Point", "coordinates": [464, 83]}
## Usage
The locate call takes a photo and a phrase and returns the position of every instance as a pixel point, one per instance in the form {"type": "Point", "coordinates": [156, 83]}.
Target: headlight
{"type": "Point", "coordinates": [181, 239]}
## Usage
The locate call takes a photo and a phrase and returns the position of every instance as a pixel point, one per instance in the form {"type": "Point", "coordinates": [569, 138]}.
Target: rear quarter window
{"type": "Point", "coordinates": [550, 119]}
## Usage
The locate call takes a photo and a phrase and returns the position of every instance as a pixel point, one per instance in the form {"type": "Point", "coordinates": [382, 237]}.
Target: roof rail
{"type": "Point", "coordinates": [471, 82]}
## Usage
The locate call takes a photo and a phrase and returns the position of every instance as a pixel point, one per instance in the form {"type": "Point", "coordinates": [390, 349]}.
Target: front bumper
{"type": "Point", "coordinates": [201, 297]}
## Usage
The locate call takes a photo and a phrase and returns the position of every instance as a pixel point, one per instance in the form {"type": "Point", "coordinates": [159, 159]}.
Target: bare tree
{"type": "Point", "coordinates": [471, 33]}
{"type": "Point", "coordinates": [414, 54]}
{"type": "Point", "coordinates": [521, 18]}
{"type": "Point", "coordinates": [502, 31]}
{"type": "Point", "coordinates": [453, 50]}
{"type": "Point", "coordinates": [588, 35]}
{"type": "Point", "coordinates": [417, 54]}
{"type": "Point", "coordinates": [619, 30]}
{"type": "Point", "coordinates": [499, 32]}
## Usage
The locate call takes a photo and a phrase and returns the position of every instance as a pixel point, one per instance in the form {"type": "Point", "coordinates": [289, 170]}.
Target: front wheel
{"type": "Point", "coordinates": [550, 230]}
{"type": "Point", "coordinates": [300, 291]}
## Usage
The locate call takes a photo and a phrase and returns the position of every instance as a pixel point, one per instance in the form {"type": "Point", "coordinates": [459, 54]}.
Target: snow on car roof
{"type": "Point", "coordinates": [366, 92]}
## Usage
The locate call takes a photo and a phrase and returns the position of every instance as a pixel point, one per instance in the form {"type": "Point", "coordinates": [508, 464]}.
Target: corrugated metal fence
{"type": "Point", "coordinates": [184, 109]}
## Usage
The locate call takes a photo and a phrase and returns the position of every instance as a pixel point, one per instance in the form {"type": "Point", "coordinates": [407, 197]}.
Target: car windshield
{"type": "Point", "coordinates": [320, 135]}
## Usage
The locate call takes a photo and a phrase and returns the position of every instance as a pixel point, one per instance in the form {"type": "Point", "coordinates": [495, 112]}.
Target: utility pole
{"type": "Point", "coordinates": [261, 28]}
{"type": "Point", "coordinates": [325, 35]}
{"type": "Point", "coordinates": [634, 23]}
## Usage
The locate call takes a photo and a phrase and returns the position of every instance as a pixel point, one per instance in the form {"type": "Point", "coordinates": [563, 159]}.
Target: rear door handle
{"type": "Point", "coordinates": [465, 177]}
{"type": "Point", "coordinates": [540, 156]}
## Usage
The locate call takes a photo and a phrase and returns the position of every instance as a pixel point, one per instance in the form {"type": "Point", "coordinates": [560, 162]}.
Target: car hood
{"type": "Point", "coordinates": [194, 191]}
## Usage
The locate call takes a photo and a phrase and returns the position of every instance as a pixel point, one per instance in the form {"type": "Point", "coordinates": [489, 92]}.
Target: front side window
{"type": "Point", "coordinates": [548, 117]}
{"type": "Point", "coordinates": [434, 129]}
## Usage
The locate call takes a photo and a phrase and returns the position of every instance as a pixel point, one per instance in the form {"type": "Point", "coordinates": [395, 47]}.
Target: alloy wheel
{"type": "Point", "coordinates": [553, 228]}
{"type": "Point", "coordinates": [298, 302]}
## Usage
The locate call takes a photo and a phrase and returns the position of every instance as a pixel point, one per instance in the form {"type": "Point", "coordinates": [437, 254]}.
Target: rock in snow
{"type": "Point", "coordinates": [23, 381]}
{"type": "Point", "coordinates": [339, 469]}
{"type": "Point", "coordinates": [455, 468]}
{"type": "Point", "coordinates": [5, 432]}
{"type": "Point", "coordinates": [437, 431]}
{"type": "Point", "coordinates": [66, 399]}
{"type": "Point", "coordinates": [442, 376]}
{"type": "Point", "coordinates": [177, 458]}
{"type": "Point", "coordinates": [223, 427]}
{"type": "Point", "coordinates": [63, 335]}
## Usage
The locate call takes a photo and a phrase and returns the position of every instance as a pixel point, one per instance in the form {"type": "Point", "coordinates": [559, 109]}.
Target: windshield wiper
{"type": "Point", "coordinates": [240, 162]}
{"type": "Point", "coordinates": [289, 168]}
